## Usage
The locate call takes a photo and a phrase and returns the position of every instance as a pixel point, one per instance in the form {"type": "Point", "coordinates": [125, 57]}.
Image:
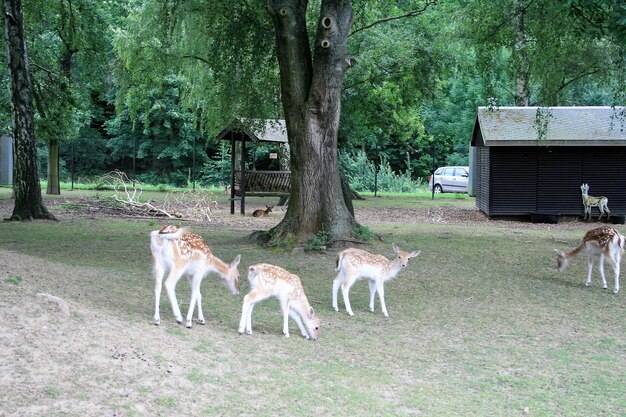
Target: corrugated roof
{"type": "Point", "coordinates": [554, 126]}
{"type": "Point", "coordinates": [264, 130]}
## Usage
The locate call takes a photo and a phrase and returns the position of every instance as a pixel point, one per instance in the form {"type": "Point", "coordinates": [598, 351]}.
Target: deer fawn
{"type": "Point", "coordinates": [183, 253]}
{"type": "Point", "coordinates": [600, 202]}
{"type": "Point", "coordinates": [269, 280]}
{"type": "Point", "coordinates": [602, 242]}
{"type": "Point", "coordinates": [261, 212]}
{"type": "Point", "coordinates": [354, 264]}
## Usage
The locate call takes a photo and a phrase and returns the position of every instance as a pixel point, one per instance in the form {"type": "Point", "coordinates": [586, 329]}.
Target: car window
{"type": "Point", "coordinates": [448, 171]}
{"type": "Point", "coordinates": [459, 172]}
{"type": "Point", "coordinates": [439, 171]}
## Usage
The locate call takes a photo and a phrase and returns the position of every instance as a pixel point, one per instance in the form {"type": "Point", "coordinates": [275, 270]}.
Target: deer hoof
{"type": "Point", "coordinates": [188, 324]}
{"type": "Point", "coordinates": [615, 290]}
{"type": "Point", "coordinates": [201, 321]}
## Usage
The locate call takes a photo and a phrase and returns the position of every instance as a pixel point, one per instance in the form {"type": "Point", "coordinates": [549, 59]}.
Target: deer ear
{"type": "Point", "coordinates": [235, 261]}
{"type": "Point", "coordinates": [559, 252]}
{"type": "Point", "coordinates": [415, 253]}
{"type": "Point", "coordinates": [395, 247]}
{"type": "Point", "coordinates": [311, 313]}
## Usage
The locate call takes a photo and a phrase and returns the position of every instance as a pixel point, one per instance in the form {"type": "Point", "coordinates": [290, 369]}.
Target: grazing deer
{"type": "Point", "coordinates": [354, 264]}
{"type": "Point", "coordinates": [600, 202]}
{"type": "Point", "coordinates": [602, 242]}
{"type": "Point", "coordinates": [261, 212]}
{"type": "Point", "coordinates": [269, 280]}
{"type": "Point", "coordinates": [183, 253]}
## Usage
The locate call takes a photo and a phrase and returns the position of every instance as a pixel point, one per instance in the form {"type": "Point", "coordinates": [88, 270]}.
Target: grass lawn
{"type": "Point", "coordinates": [481, 324]}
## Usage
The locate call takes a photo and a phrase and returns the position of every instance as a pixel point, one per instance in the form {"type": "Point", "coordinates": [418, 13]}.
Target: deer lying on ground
{"type": "Point", "coordinates": [273, 281]}
{"type": "Point", "coordinates": [600, 202]}
{"type": "Point", "coordinates": [179, 252]}
{"type": "Point", "coordinates": [355, 264]}
{"type": "Point", "coordinates": [602, 242]}
{"type": "Point", "coordinates": [261, 212]}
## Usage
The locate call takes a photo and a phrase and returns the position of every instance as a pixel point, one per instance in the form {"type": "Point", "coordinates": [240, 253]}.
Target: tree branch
{"type": "Point", "coordinates": [412, 13]}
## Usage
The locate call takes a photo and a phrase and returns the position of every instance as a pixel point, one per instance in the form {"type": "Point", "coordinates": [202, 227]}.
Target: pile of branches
{"type": "Point", "coordinates": [187, 205]}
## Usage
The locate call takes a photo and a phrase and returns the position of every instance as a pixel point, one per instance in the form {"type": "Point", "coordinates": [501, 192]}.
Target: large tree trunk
{"type": "Point", "coordinates": [311, 96]}
{"type": "Point", "coordinates": [520, 58]}
{"type": "Point", "coordinates": [28, 201]}
{"type": "Point", "coordinates": [54, 183]}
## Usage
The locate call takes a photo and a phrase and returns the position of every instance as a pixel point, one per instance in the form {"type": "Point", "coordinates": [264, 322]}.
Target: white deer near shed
{"type": "Point", "coordinates": [179, 252]}
{"type": "Point", "coordinates": [355, 264]}
{"type": "Point", "coordinates": [602, 203]}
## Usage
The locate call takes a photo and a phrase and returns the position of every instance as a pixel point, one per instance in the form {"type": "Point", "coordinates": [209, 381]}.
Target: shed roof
{"type": "Point", "coordinates": [553, 126]}
{"type": "Point", "coordinates": [263, 130]}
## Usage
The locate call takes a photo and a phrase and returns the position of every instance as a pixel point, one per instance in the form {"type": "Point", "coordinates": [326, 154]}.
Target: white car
{"type": "Point", "coordinates": [449, 180]}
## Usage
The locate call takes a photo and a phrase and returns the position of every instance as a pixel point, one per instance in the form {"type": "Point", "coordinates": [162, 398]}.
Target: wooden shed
{"type": "Point", "coordinates": [533, 160]}
{"type": "Point", "coordinates": [255, 182]}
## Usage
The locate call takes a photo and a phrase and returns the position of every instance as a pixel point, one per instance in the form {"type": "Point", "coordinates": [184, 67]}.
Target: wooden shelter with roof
{"type": "Point", "coordinates": [255, 183]}
{"type": "Point", "coordinates": [533, 160]}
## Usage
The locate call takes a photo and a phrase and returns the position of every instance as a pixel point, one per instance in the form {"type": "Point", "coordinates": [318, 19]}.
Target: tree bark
{"type": "Point", "coordinates": [54, 184]}
{"type": "Point", "coordinates": [311, 98]}
{"type": "Point", "coordinates": [520, 58]}
{"type": "Point", "coordinates": [28, 200]}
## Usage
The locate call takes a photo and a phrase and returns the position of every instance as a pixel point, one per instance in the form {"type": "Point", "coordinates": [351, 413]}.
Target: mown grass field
{"type": "Point", "coordinates": [481, 324]}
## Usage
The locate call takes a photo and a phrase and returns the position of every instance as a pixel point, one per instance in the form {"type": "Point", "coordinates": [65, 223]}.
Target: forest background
{"type": "Point", "coordinates": [144, 86]}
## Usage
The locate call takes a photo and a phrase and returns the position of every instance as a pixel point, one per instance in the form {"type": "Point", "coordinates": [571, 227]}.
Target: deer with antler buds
{"type": "Point", "coordinates": [355, 264]}
{"type": "Point", "coordinates": [602, 203]}
{"type": "Point", "coordinates": [179, 252]}
{"type": "Point", "coordinates": [603, 243]}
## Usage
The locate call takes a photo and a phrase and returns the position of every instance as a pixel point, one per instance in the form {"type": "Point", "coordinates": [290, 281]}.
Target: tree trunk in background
{"type": "Point", "coordinates": [311, 97]}
{"type": "Point", "coordinates": [28, 201]}
{"type": "Point", "coordinates": [520, 58]}
{"type": "Point", "coordinates": [54, 185]}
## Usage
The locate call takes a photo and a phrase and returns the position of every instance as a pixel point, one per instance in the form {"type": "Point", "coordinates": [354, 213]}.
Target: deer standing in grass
{"type": "Point", "coordinates": [603, 243]}
{"type": "Point", "coordinates": [261, 212]}
{"type": "Point", "coordinates": [355, 264]}
{"type": "Point", "coordinates": [273, 281]}
{"type": "Point", "coordinates": [178, 252]}
{"type": "Point", "coordinates": [602, 203]}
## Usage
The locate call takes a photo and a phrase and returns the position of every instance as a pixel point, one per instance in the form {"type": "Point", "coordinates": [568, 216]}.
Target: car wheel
{"type": "Point", "coordinates": [438, 189]}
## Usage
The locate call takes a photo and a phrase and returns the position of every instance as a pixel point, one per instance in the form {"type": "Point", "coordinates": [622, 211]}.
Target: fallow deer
{"type": "Point", "coordinates": [355, 264]}
{"type": "Point", "coordinates": [273, 281]}
{"type": "Point", "coordinates": [601, 242]}
{"type": "Point", "coordinates": [179, 252]}
{"type": "Point", "coordinates": [261, 212]}
{"type": "Point", "coordinates": [602, 203]}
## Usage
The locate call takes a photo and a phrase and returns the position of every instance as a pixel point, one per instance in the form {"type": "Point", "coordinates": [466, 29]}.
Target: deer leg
{"type": "Point", "coordinates": [284, 305]}
{"type": "Point", "coordinates": [601, 265]}
{"type": "Point", "coordinates": [159, 272]}
{"type": "Point", "coordinates": [381, 295]}
{"type": "Point", "coordinates": [606, 207]}
{"type": "Point", "coordinates": [345, 290]}
{"type": "Point", "coordinates": [614, 260]}
{"type": "Point", "coordinates": [372, 285]}
{"type": "Point", "coordinates": [589, 271]}
{"type": "Point", "coordinates": [170, 288]}
{"type": "Point", "coordinates": [196, 298]}
{"type": "Point", "coordinates": [336, 284]}
{"type": "Point", "coordinates": [601, 209]}
{"type": "Point", "coordinates": [253, 297]}
{"type": "Point", "coordinates": [296, 317]}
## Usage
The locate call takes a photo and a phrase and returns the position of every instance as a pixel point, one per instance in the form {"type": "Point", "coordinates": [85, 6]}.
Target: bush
{"type": "Point", "coordinates": [361, 173]}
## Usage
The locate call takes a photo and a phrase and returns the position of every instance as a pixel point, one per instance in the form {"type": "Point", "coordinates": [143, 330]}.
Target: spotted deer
{"type": "Point", "coordinates": [603, 243]}
{"type": "Point", "coordinates": [600, 202]}
{"type": "Point", "coordinates": [273, 281]}
{"type": "Point", "coordinates": [355, 264]}
{"type": "Point", "coordinates": [261, 212]}
{"type": "Point", "coordinates": [177, 252]}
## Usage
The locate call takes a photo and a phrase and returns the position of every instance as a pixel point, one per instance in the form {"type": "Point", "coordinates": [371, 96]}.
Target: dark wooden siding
{"type": "Point", "coordinates": [523, 180]}
{"type": "Point", "coordinates": [482, 179]}
{"type": "Point", "coordinates": [559, 178]}
{"type": "Point", "coordinates": [604, 169]}
{"type": "Point", "coordinates": [513, 181]}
